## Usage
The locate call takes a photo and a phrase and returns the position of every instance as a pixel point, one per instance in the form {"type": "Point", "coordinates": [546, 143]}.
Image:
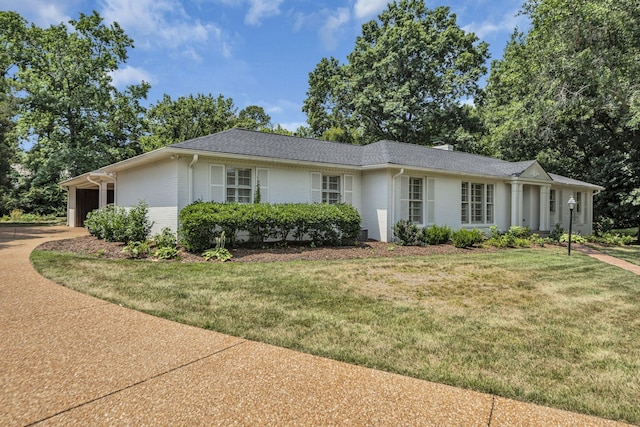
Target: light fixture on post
{"type": "Point", "coordinates": [572, 204]}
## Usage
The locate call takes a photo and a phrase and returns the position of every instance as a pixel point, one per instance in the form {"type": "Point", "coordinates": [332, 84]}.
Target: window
{"type": "Point", "coordinates": [552, 201]}
{"type": "Point", "coordinates": [477, 205]}
{"type": "Point", "coordinates": [330, 189]}
{"type": "Point", "coordinates": [465, 202]}
{"type": "Point", "coordinates": [238, 185]}
{"type": "Point", "coordinates": [415, 200]}
{"type": "Point", "coordinates": [578, 202]}
{"type": "Point", "coordinates": [477, 199]}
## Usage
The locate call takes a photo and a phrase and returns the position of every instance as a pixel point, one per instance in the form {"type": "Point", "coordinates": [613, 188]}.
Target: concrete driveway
{"type": "Point", "coordinates": [70, 359]}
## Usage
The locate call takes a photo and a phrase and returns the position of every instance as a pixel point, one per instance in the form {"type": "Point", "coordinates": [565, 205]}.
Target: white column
{"type": "Point", "coordinates": [516, 204]}
{"type": "Point", "coordinates": [103, 194]}
{"type": "Point", "coordinates": [71, 206]}
{"type": "Point", "coordinates": [544, 208]}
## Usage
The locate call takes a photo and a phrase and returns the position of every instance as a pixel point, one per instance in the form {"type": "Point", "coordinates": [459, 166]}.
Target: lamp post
{"type": "Point", "coordinates": [572, 204]}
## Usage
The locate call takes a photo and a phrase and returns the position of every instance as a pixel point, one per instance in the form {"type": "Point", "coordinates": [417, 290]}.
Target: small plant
{"type": "Point", "coordinates": [219, 252]}
{"type": "Point", "coordinates": [137, 249]}
{"type": "Point", "coordinates": [556, 233]}
{"type": "Point", "coordinates": [16, 214]}
{"type": "Point", "coordinates": [407, 233]}
{"type": "Point", "coordinates": [575, 238]}
{"type": "Point", "coordinates": [166, 253]}
{"type": "Point", "coordinates": [464, 238]}
{"type": "Point", "coordinates": [435, 235]}
{"type": "Point", "coordinates": [166, 239]}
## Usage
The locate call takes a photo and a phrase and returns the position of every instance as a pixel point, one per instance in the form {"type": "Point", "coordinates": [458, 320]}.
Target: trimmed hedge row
{"type": "Point", "coordinates": [323, 224]}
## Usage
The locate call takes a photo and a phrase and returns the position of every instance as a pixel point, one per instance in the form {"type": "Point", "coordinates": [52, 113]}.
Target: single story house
{"type": "Point", "coordinates": [386, 181]}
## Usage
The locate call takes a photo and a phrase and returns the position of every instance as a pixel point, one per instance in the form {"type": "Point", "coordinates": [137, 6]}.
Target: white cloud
{"type": "Point", "coordinates": [260, 9]}
{"type": "Point", "coordinates": [508, 22]}
{"type": "Point", "coordinates": [162, 23]}
{"type": "Point", "coordinates": [41, 12]}
{"type": "Point", "coordinates": [368, 8]}
{"type": "Point", "coordinates": [130, 75]}
{"type": "Point", "coordinates": [292, 126]}
{"type": "Point", "coordinates": [332, 27]}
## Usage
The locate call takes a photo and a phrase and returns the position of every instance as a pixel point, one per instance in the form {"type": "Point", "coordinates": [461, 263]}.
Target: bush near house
{"type": "Point", "coordinates": [116, 224]}
{"type": "Point", "coordinates": [323, 224]}
{"type": "Point", "coordinates": [409, 234]}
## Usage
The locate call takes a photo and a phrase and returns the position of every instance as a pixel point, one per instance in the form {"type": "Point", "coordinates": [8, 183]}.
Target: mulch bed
{"type": "Point", "coordinates": [89, 245]}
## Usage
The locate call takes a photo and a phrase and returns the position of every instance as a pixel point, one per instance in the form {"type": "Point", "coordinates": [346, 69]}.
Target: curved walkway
{"type": "Point", "coordinates": [70, 359]}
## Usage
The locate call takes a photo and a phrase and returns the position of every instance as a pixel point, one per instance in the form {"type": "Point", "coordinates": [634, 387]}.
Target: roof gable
{"type": "Point", "coordinates": [535, 171]}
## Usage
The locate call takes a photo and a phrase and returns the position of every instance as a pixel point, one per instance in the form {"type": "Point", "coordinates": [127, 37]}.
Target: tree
{"type": "Point", "coordinates": [404, 80]}
{"type": "Point", "coordinates": [567, 94]}
{"type": "Point", "coordinates": [253, 117]}
{"type": "Point", "coordinates": [170, 121]}
{"type": "Point", "coordinates": [68, 108]}
{"type": "Point", "coordinates": [12, 39]}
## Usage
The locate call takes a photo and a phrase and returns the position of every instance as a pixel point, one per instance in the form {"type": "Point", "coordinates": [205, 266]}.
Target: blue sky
{"type": "Point", "coordinates": [257, 52]}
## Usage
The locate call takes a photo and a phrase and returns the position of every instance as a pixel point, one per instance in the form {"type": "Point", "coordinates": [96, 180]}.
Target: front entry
{"type": "Point", "coordinates": [531, 206]}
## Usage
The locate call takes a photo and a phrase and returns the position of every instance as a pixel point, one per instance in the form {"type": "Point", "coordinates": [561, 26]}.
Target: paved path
{"type": "Point", "coordinates": [594, 253]}
{"type": "Point", "coordinates": [70, 359]}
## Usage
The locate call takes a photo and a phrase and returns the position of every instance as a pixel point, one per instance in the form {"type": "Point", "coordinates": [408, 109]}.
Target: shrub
{"type": "Point", "coordinates": [556, 233]}
{"type": "Point", "coordinates": [464, 238]}
{"type": "Point", "coordinates": [108, 223]}
{"type": "Point", "coordinates": [610, 239]}
{"type": "Point", "coordinates": [138, 224]}
{"type": "Point", "coordinates": [136, 249]}
{"type": "Point", "coordinates": [202, 222]}
{"type": "Point", "coordinates": [407, 233]}
{"type": "Point", "coordinates": [115, 224]}
{"type": "Point", "coordinates": [166, 239]}
{"type": "Point", "coordinates": [435, 235]}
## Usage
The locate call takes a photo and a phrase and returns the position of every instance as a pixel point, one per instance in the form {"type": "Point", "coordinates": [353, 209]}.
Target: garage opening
{"type": "Point", "coordinates": [88, 200]}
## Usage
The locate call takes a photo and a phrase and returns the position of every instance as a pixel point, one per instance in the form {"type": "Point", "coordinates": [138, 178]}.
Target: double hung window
{"type": "Point", "coordinates": [477, 203]}
{"type": "Point", "coordinates": [238, 185]}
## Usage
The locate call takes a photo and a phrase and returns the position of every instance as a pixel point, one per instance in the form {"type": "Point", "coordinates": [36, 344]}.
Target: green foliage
{"type": "Point", "coordinates": [610, 239]}
{"type": "Point", "coordinates": [407, 233]}
{"type": "Point", "coordinates": [170, 121]}
{"type": "Point", "coordinates": [566, 94]}
{"type": "Point", "coordinates": [202, 222]}
{"type": "Point", "coordinates": [136, 249]}
{"type": "Point", "coordinates": [435, 235]}
{"type": "Point", "coordinates": [603, 226]}
{"type": "Point", "coordinates": [403, 81]}
{"type": "Point", "coordinates": [464, 238]}
{"type": "Point", "coordinates": [62, 101]}
{"type": "Point", "coordinates": [165, 239]}
{"type": "Point", "coordinates": [575, 238]}
{"type": "Point", "coordinates": [115, 224]}
{"type": "Point", "coordinates": [220, 254]}
{"type": "Point", "coordinates": [166, 252]}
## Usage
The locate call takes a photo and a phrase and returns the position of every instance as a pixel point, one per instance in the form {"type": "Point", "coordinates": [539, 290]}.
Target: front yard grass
{"type": "Point", "coordinates": [533, 325]}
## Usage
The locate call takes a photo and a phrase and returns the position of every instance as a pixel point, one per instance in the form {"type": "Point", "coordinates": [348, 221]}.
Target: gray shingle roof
{"type": "Point", "coordinates": [274, 146]}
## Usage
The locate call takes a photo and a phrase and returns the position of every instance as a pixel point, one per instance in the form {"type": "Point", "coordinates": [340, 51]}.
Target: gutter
{"type": "Point", "coordinates": [393, 195]}
{"type": "Point", "coordinates": [195, 159]}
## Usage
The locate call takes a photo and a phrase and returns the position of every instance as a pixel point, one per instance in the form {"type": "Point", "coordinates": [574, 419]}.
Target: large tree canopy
{"type": "Point", "coordinates": [405, 79]}
{"type": "Point", "coordinates": [568, 94]}
{"type": "Point", "coordinates": [69, 112]}
{"type": "Point", "coordinates": [187, 117]}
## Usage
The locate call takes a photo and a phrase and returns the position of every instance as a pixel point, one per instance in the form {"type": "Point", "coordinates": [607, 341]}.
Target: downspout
{"type": "Point", "coordinates": [393, 195]}
{"type": "Point", "coordinates": [99, 184]}
{"type": "Point", "coordinates": [195, 159]}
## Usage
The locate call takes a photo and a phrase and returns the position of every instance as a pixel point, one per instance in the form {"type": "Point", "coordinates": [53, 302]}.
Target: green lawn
{"type": "Point", "coordinates": [533, 325]}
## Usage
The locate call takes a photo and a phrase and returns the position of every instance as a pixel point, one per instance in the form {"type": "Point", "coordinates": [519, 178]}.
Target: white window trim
{"type": "Point", "coordinates": [468, 209]}
{"type": "Point", "coordinates": [413, 201]}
